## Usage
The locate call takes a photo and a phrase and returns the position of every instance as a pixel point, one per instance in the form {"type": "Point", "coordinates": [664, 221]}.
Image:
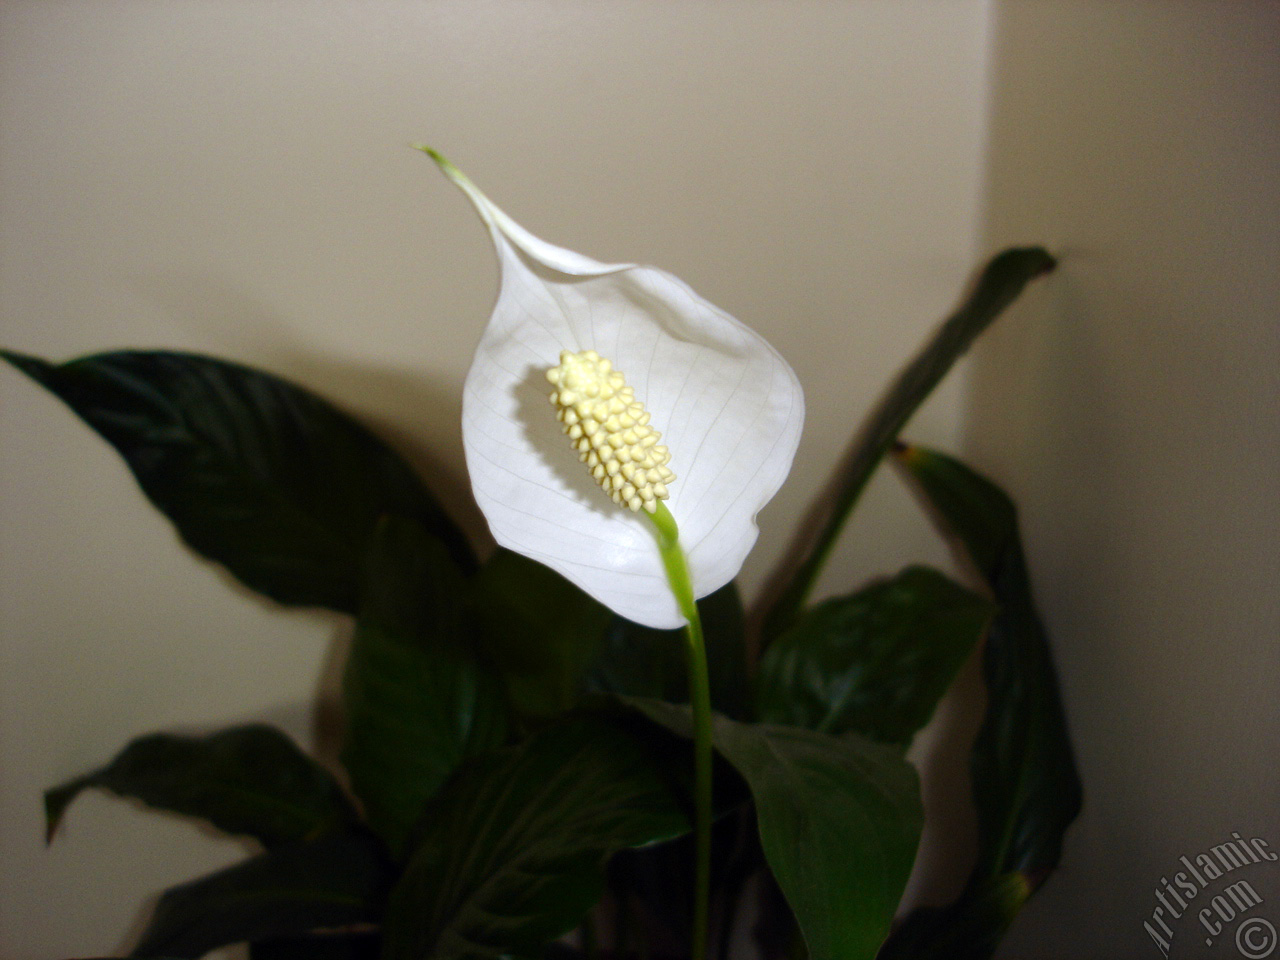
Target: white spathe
{"type": "Point", "coordinates": [729, 407]}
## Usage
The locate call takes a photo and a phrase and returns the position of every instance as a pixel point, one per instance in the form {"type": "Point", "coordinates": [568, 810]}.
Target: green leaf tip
{"type": "Point", "coordinates": [251, 780]}
{"type": "Point", "coordinates": [1035, 261]}
{"type": "Point", "coordinates": [908, 453]}
{"type": "Point", "coordinates": [33, 367]}
{"type": "Point", "coordinates": [56, 801]}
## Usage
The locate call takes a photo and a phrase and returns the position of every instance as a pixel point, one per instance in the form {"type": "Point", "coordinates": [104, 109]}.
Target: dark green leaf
{"type": "Point", "coordinates": [1025, 780]}
{"type": "Point", "coordinates": [1026, 788]}
{"type": "Point", "coordinates": [999, 284]}
{"type": "Point", "coordinates": [336, 880]}
{"type": "Point", "coordinates": [643, 662]}
{"type": "Point", "coordinates": [416, 700]}
{"type": "Point", "coordinates": [539, 629]}
{"type": "Point", "coordinates": [247, 780]}
{"type": "Point", "coordinates": [512, 850]}
{"type": "Point", "coordinates": [875, 662]}
{"type": "Point", "coordinates": [255, 473]}
{"type": "Point", "coordinates": [839, 821]}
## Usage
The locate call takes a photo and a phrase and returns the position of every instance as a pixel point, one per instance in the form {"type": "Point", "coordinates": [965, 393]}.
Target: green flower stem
{"type": "Point", "coordinates": [673, 560]}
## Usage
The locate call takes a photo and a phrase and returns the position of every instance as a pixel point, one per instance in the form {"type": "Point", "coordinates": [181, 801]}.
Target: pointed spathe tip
{"type": "Point", "coordinates": [430, 152]}
{"type": "Point", "coordinates": [443, 162]}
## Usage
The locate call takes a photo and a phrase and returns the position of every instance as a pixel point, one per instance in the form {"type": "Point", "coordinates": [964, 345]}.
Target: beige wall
{"type": "Point", "coordinates": [1133, 406]}
{"type": "Point", "coordinates": [235, 178]}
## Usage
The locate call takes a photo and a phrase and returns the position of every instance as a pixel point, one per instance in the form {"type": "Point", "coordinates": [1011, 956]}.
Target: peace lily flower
{"type": "Point", "coordinates": [649, 381]}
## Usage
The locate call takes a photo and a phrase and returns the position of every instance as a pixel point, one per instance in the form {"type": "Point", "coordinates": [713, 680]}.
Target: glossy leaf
{"type": "Point", "coordinates": [1026, 788]}
{"type": "Point", "coordinates": [876, 661]}
{"type": "Point", "coordinates": [1025, 780]}
{"type": "Point", "coordinates": [416, 700]}
{"type": "Point", "coordinates": [639, 661]}
{"type": "Point", "coordinates": [250, 780]}
{"type": "Point", "coordinates": [336, 880]}
{"type": "Point", "coordinates": [513, 849]}
{"type": "Point", "coordinates": [839, 820]}
{"type": "Point", "coordinates": [257, 474]}
{"type": "Point", "coordinates": [539, 629]}
{"type": "Point", "coordinates": [1001, 281]}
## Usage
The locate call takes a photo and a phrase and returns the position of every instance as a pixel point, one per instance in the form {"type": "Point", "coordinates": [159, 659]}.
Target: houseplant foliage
{"type": "Point", "coordinates": [518, 759]}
